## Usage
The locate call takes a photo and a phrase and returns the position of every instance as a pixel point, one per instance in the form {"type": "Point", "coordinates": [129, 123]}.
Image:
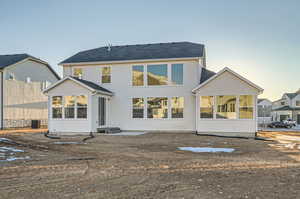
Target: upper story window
{"type": "Point", "coordinates": [138, 75]}
{"type": "Point", "coordinates": [69, 106]}
{"type": "Point", "coordinates": [106, 75]}
{"type": "Point", "coordinates": [246, 107]}
{"type": "Point", "coordinates": [77, 72]}
{"type": "Point", "coordinates": [282, 103]}
{"type": "Point", "coordinates": [177, 74]}
{"type": "Point", "coordinates": [226, 107]}
{"type": "Point", "coordinates": [157, 74]}
{"type": "Point", "coordinates": [297, 103]}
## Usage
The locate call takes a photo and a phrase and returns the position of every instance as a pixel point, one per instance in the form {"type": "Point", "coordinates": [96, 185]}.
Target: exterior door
{"type": "Point", "coordinates": [298, 119]}
{"type": "Point", "coordinates": [102, 111]}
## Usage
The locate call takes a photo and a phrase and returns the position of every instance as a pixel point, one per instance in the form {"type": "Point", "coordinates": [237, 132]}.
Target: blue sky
{"type": "Point", "coordinates": [258, 39]}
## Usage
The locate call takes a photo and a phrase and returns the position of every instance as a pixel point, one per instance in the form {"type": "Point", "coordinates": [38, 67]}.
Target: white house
{"type": "Point", "coordinates": [264, 108]}
{"type": "Point", "coordinates": [287, 107]}
{"type": "Point", "coordinates": [151, 87]}
{"type": "Point", "coordinates": [22, 79]}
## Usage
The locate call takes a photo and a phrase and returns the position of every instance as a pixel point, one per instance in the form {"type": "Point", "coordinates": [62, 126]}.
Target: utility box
{"type": "Point", "coordinates": [35, 124]}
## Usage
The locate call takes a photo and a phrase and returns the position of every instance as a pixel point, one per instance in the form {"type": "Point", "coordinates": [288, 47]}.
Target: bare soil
{"type": "Point", "coordinates": [149, 166]}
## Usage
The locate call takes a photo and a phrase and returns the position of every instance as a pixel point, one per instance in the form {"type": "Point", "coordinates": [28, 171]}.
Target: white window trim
{"type": "Point", "coordinates": [146, 108]}
{"type": "Point", "coordinates": [237, 109]}
{"type": "Point", "coordinates": [110, 74]}
{"type": "Point", "coordinates": [63, 108]}
{"type": "Point", "coordinates": [169, 73]}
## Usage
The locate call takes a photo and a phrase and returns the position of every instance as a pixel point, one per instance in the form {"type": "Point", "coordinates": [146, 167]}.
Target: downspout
{"type": "Point", "coordinates": [2, 112]}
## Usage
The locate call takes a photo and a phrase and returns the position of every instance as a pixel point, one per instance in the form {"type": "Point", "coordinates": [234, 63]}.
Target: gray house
{"type": "Point", "coordinates": [22, 79]}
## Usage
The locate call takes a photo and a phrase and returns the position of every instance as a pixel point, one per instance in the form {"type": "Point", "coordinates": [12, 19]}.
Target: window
{"type": "Point", "coordinates": [226, 107]}
{"type": "Point", "coordinates": [157, 74]}
{"type": "Point", "coordinates": [28, 79]}
{"type": "Point", "coordinates": [82, 106]}
{"type": "Point", "coordinates": [207, 107]}
{"type": "Point", "coordinates": [138, 108]}
{"type": "Point", "coordinates": [57, 107]}
{"type": "Point", "coordinates": [282, 103]}
{"type": "Point", "coordinates": [137, 75]}
{"type": "Point", "coordinates": [69, 106]}
{"type": "Point", "coordinates": [77, 72]}
{"type": "Point", "coordinates": [157, 107]}
{"type": "Point", "coordinates": [177, 74]}
{"type": "Point", "coordinates": [106, 75]}
{"type": "Point", "coordinates": [177, 105]}
{"type": "Point", "coordinates": [297, 103]}
{"type": "Point", "coordinates": [246, 107]}
{"type": "Point", "coordinates": [11, 76]}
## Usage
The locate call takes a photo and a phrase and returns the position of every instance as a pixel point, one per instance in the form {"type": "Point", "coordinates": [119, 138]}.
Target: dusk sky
{"type": "Point", "coordinates": [258, 39]}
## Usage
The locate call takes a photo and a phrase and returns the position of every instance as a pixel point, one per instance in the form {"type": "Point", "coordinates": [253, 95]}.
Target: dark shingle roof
{"type": "Point", "coordinates": [260, 100]}
{"type": "Point", "coordinates": [139, 52]}
{"type": "Point", "coordinates": [7, 60]}
{"type": "Point", "coordinates": [206, 74]}
{"type": "Point", "coordinates": [92, 85]}
{"type": "Point", "coordinates": [291, 95]}
{"type": "Point", "coordinates": [286, 108]}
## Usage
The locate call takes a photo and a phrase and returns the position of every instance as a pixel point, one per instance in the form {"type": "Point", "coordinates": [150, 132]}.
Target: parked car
{"type": "Point", "coordinates": [280, 125]}
{"type": "Point", "coordinates": [290, 121]}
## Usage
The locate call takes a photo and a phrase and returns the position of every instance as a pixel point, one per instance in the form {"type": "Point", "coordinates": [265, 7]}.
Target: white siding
{"type": "Point", "coordinates": [227, 84]}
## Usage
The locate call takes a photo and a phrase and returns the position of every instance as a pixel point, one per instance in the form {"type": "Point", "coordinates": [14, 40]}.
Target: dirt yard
{"type": "Point", "coordinates": [148, 166]}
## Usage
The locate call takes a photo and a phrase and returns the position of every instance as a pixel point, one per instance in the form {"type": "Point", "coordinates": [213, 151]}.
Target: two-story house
{"type": "Point", "coordinates": [288, 107]}
{"type": "Point", "coordinates": [151, 87]}
{"type": "Point", "coordinates": [264, 109]}
{"type": "Point", "coordinates": [22, 80]}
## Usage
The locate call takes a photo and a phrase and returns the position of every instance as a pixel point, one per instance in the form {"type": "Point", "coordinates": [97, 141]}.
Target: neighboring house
{"type": "Point", "coordinates": [151, 87]}
{"type": "Point", "coordinates": [23, 78]}
{"type": "Point", "coordinates": [287, 107]}
{"type": "Point", "coordinates": [264, 109]}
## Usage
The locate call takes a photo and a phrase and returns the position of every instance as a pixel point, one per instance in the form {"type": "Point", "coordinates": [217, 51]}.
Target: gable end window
{"type": "Point", "coordinates": [69, 106]}
{"type": "Point", "coordinates": [106, 75]}
{"type": "Point", "coordinates": [206, 107]}
{"type": "Point", "coordinates": [246, 107]}
{"type": "Point", "coordinates": [226, 107]}
{"type": "Point", "coordinates": [77, 72]}
{"type": "Point", "coordinates": [82, 107]}
{"type": "Point", "coordinates": [57, 107]}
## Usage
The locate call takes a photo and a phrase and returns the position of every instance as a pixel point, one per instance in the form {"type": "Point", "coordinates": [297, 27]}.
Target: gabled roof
{"type": "Point", "coordinates": [286, 108]}
{"type": "Point", "coordinates": [87, 84]}
{"type": "Point", "coordinates": [291, 95]}
{"type": "Point", "coordinates": [8, 60]}
{"type": "Point", "coordinates": [139, 52]}
{"type": "Point", "coordinates": [260, 100]}
{"type": "Point", "coordinates": [230, 71]}
{"type": "Point", "coordinates": [206, 74]}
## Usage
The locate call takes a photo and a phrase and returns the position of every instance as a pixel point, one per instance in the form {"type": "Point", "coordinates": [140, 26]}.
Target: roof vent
{"type": "Point", "coordinates": [109, 47]}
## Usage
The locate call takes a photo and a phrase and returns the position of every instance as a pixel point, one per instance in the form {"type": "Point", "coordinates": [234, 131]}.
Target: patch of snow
{"type": "Point", "coordinates": [7, 149]}
{"type": "Point", "coordinates": [128, 133]}
{"type": "Point", "coordinates": [206, 149]}
{"type": "Point", "coordinates": [11, 158]}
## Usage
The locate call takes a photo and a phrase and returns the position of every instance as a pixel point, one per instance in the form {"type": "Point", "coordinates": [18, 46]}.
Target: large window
{"type": "Point", "coordinates": [106, 75]}
{"type": "Point", "coordinates": [69, 106]}
{"type": "Point", "coordinates": [57, 106]}
{"type": "Point", "coordinates": [177, 105]}
{"type": "Point", "coordinates": [138, 108]}
{"type": "Point", "coordinates": [226, 107]}
{"type": "Point", "coordinates": [137, 75]}
{"type": "Point", "coordinates": [157, 107]}
{"type": "Point", "coordinates": [297, 103]}
{"type": "Point", "coordinates": [157, 74]}
{"type": "Point", "coordinates": [177, 74]}
{"type": "Point", "coordinates": [82, 106]}
{"type": "Point", "coordinates": [206, 107]}
{"type": "Point", "coordinates": [77, 72]}
{"type": "Point", "coordinates": [246, 107]}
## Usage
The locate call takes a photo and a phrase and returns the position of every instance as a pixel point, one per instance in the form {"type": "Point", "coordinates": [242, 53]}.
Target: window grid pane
{"type": "Point", "coordinates": [106, 75]}
{"type": "Point", "coordinates": [157, 107]}
{"type": "Point", "coordinates": [246, 107]}
{"type": "Point", "coordinates": [177, 74]}
{"type": "Point", "coordinates": [206, 107]}
{"type": "Point", "coordinates": [69, 105]}
{"type": "Point", "coordinates": [138, 108]}
{"type": "Point", "coordinates": [137, 75]}
{"type": "Point", "coordinates": [77, 72]}
{"type": "Point", "coordinates": [177, 104]}
{"type": "Point", "coordinates": [157, 74]}
{"type": "Point", "coordinates": [226, 107]}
